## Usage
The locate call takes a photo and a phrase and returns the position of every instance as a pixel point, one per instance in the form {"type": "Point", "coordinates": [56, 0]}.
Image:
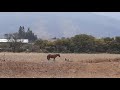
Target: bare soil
{"type": "Point", "coordinates": [36, 65]}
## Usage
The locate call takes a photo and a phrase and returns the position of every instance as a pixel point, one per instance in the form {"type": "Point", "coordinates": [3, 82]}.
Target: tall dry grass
{"type": "Point", "coordinates": [36, 65]}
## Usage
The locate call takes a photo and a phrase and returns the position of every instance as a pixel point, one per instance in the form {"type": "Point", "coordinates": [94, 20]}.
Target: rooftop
{"type": "Point", "coordinates": [19, 40]}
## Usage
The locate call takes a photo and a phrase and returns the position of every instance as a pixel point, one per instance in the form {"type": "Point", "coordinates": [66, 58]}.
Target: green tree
{"type": "Point", "coordinates": [117, 39]}
{"type": "Point", "coordinates": [30, 35]}
{"type": "Point", "coordinates": [21, 32]}
{"type": "Point", "coordinates": [13, 42]}
{"type": "Point", "coordinates": [83, 43]}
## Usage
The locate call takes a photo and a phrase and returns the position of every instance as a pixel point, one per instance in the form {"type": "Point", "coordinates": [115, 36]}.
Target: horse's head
{"type": "Point", "coordinates": [58, 55]}
{"type": "Point", "coordinates": [48, 56]}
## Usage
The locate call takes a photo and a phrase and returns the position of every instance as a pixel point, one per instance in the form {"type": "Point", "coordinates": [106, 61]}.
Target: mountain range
{"type": "Point", "coordinates": [60, 24]}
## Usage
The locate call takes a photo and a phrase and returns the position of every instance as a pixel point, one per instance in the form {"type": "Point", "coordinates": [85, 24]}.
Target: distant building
{"type": "Point", "coordinates": [52, 39]}
{"type": "Point", "coordinates": [11, 40]}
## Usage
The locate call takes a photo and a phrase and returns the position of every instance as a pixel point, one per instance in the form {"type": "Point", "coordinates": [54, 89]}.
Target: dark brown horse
{"type": "Point", "coordinates": [52, 56]}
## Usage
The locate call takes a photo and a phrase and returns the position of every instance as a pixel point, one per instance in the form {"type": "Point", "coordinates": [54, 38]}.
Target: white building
{"type": "Point", "coordinates": [11, 40]}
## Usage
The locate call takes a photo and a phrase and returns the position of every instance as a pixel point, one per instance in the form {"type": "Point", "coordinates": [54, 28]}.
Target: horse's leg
{"type": "Point", "coordinates": [48, 58]}
{"type": "Point", "coordinates": [54, 59]}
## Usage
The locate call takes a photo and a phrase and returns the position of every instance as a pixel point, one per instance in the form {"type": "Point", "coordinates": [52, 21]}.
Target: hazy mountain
{"type": "Point", "coordinates": [48, 25]}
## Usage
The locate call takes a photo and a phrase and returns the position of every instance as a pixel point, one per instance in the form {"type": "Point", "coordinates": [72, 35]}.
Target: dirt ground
{"type": "Point", "coordinates": [36, 65]}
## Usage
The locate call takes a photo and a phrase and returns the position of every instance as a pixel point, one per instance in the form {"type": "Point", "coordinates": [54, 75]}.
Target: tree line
{"type": "Point", "coordinates": [81, 43]}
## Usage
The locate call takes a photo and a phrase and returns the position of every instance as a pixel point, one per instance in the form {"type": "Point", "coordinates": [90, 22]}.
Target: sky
{"type": "Point", "coordinates": [15, 19]}
{"type": "Point", "coordinates": [115, 15]}
{"type": "Point", "coordinates": [110, 14]}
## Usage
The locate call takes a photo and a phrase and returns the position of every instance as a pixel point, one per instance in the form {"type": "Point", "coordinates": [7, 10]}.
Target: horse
{"type": "Point", "coordinates": [52, 56]}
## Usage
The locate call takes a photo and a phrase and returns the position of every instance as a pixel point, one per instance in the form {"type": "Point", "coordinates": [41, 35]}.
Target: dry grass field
{"type": "Point", "coordinates": [36, 65]}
